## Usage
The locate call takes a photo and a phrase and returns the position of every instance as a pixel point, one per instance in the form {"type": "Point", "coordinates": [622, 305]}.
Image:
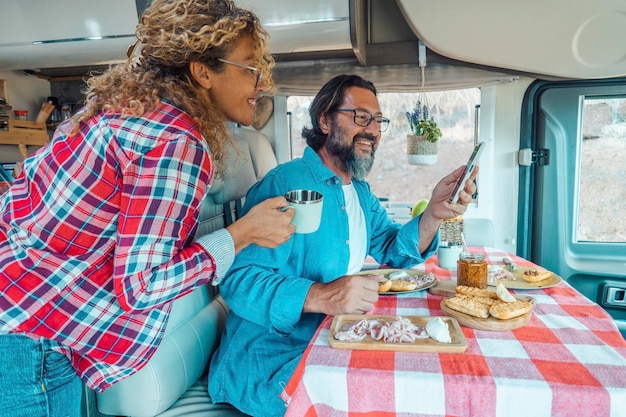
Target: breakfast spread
{"type": "Point", "coordinates": [476, 292]}
{"type": "Point", "coordinates": [496, 273]}
{"type": "Point", "coordinates": [396, 333]}
{"type": "Point", "coordinates": [503, 294]}
{"type": "Point", "coordinates": [438, 330]}
{"type": "Point", "coordinates": [521, 277]}
{"type": "Point", "coordinates": [384, 285]}
{"type": "Point", "coordinates": [535, 275]}
{"type": "Point", "coordinates": [399, 275]}
{"type": "Point", "coordinates": [400, 281]}
{"type": "Point", "coordinates": [402, 285]}
{"type": "Point", "coordinates": [468, 305]}
{"type": "Point", "coordinates": [487, 303]}
{"type": "Point", "coordinates": [399, 330]}
{"type": "Point", "coordinates": [472, 270]}
{"type": "Point", "coordinates": [505, 311]}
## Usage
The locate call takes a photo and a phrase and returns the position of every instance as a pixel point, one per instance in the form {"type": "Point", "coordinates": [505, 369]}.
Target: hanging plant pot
{"type": "Point", "coordinates": [420, 151]}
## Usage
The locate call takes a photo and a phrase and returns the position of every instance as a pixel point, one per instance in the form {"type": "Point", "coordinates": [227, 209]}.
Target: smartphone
{"type": "Point", "coordinates": [469, 168]}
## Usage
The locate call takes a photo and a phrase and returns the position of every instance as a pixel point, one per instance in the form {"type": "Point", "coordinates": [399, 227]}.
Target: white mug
{"type": "Point", "coordinates": [308, 206]}
{"type": "Point", "coordinates": [448, 254]}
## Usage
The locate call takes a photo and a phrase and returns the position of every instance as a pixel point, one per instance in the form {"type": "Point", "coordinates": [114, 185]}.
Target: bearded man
{"type": "Point", "coordinates": [278, 297]}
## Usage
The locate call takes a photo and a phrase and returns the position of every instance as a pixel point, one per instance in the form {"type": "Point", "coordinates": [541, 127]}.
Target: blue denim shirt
{"type": "Point", "coordinates": [266, 332]}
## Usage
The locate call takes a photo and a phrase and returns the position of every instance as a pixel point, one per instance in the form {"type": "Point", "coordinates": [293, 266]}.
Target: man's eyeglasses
{"type": "Point", "coordinates": [256, 72]}
{"type": "Point", "coordinates": [364, 118]}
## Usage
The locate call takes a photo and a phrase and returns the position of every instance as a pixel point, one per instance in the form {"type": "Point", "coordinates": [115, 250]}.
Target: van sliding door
{"type": "Point", "coordinates": [573, 196]}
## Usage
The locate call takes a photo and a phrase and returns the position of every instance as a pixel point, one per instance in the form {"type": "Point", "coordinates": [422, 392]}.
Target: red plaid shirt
{"type": "Point", "coordinates": [96, 239]}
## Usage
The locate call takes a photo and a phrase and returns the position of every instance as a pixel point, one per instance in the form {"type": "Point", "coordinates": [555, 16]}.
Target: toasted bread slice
{"type": "Point", "coordinates": [384, 285]}
{"type": "Point", "coordinates": [477, 292]}
{"type": "Point", "coordinates": [535, 275]}
{"type": "Point", "coordinates": [504, 294]}
{"type": "Point", "coordinates": [468, 306]}
{"type": "Point", "coordinates": [504, 311]}
{"type": "Point", "coordinates": [402, 285]}
{"type": "Point", "coordinates": [483, 300]}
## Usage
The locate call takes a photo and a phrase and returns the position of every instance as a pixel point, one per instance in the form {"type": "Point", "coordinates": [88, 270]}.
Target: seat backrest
{"type": "Point", "coordinates": [197, 319]}
{"type": "Point", "coordinates": [243, 168]}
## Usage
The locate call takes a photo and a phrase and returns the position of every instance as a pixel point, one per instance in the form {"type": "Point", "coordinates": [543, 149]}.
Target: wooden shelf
{"type": "Point", "coordinates": [24, 133]}
{"type": "Point", "coordinates": [4, 90]}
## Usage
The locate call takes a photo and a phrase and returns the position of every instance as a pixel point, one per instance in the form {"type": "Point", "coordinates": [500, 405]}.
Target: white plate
{"type": "Point", "coordinates": [386, 272]}
{"type": "Point", "coordinates": [520, 284]}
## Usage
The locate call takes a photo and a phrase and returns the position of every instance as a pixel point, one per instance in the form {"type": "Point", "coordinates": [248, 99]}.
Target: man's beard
{"type": "Point", "coordinates": [357, 166]}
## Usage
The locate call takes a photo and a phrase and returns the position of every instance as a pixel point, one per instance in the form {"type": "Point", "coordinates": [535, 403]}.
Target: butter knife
{"type": "Point", "coordinates": [508, 263]}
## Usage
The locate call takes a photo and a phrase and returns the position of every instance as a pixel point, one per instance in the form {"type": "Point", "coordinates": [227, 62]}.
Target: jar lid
{"type": "Point", "coordinates": [472, 256]}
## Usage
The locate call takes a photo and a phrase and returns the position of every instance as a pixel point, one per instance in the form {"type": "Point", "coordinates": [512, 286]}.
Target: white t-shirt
{"type": "Point", "coordinates": [358, 231]}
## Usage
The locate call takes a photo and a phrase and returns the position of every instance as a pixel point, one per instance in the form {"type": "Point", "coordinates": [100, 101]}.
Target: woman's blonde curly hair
{"type": "Point", "coordinates": [173, 33]}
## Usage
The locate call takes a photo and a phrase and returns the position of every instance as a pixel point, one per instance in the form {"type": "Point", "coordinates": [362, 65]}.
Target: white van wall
{"type": "Point", "coordinates": [25, 92]}
{"type": "Point", "coordinates": [501, 106]}
{"type": "Point", "coordinates": [280, 133]}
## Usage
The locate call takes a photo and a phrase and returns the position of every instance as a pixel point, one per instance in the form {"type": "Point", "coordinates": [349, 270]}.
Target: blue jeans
{"type": "Point", "coordinates": [36, 381]}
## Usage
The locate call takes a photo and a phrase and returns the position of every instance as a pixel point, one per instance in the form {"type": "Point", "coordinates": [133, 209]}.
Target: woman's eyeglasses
{"type": "Point", "coordinates": [364, 118]}
{"type": "Point", "coordinates": [256, 72]}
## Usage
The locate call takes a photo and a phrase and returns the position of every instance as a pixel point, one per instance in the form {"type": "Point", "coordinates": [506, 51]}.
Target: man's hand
{"type": "Point", "coordinates": [349, 294]}
{"type": "Point", "coordinates": [439, 207]}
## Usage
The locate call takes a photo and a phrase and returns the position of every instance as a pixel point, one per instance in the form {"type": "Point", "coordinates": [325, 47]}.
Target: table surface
{"type": "Point", "coordinates": [568, 360]}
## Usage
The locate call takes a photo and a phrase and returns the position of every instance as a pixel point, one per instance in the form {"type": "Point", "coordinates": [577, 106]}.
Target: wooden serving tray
{"type": "Point", "coordinates": [448, 289]}
{"type": "Point", "coordinates": [458, 345]}
{"type": "Point", "coordinates": [445, 288]}
{"type": "Point", "coordinates": [490, 323]}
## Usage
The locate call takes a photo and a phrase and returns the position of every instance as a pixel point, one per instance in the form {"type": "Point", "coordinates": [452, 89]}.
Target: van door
{"type": "Point", "coordinates": [572, 217]}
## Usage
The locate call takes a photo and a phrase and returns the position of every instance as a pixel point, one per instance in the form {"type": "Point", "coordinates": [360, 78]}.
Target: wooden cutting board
{"type": "Point", "coordinates": [458, 345]}
{"type": "Point", "coordinates": [490, 323]}
{"type": "Point", "coordinates": [448, 289]}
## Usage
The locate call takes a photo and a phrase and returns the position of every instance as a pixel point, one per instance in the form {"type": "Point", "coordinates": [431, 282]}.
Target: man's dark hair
{"type": "Point", "coordinates": [327, 101]}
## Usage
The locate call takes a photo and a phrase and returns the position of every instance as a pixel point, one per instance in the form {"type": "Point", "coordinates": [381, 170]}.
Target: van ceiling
{"type": "Point", "coordinates": [57, 40]}
{"type": "Point", "coordinates": [564, 38]}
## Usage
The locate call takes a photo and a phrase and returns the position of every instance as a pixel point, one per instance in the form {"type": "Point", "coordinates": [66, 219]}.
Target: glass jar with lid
{"type": "Point", "coordinates": [66, 111]}
{"type": "Point", "coordinates": [472, 270]}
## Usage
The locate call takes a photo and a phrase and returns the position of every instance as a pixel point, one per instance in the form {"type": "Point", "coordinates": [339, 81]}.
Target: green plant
{"type": "Point", "coordinates": [421, 124]}
{"type": "Point", "coordinates": [429, 129]}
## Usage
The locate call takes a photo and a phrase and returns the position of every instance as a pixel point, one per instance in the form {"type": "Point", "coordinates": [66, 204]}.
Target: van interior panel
{"type": "Point", "coordinates": [484, 32]}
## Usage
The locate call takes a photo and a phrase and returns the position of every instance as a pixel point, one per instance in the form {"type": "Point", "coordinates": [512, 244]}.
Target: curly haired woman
{"type": "Point", "coordinates": [97, 235]}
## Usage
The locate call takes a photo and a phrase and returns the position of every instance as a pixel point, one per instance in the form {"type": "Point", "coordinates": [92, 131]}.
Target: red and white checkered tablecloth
{"type": "Point", "coordinates": [568, 360]}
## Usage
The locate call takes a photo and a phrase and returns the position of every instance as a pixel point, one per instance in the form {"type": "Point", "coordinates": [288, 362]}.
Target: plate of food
{"type": "Point", "coordinates": [488, 309]}
{"type": "Point", "coordinates": [396, 333]}
{"type": "Point", "coordinates": [522, 278]}
{"type": "Point", "coordinates": [402, 281]}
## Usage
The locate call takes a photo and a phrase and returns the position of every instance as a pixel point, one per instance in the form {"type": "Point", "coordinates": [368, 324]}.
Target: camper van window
{"type": "Point", "coordinates": [392, 177]}
{"type": "Point", "coordinates": [602, 191]}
